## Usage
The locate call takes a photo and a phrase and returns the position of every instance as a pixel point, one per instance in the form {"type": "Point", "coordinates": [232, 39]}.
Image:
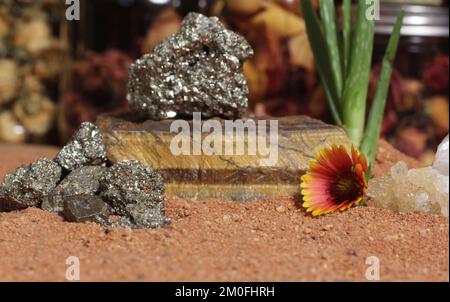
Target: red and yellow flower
{"type": "Point", "coordinates": [335, 181]}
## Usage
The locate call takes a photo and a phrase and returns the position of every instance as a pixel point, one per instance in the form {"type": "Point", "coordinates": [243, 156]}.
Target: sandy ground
{"type": "Point", "coordinates": [270, 240]}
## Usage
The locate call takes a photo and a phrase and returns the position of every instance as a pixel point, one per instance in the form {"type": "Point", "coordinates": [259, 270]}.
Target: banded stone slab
{"type": "Point", "coordinates": [224, 177]}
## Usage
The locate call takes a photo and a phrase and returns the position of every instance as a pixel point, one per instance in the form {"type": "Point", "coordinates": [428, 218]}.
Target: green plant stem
{"type": "Point", "coordinates": [347, 34]}
{"type": "Point", "coordinates": [323, 64]}
{"type": "Point", "coordinates": [328, 14]}
{"type": "Point", "coordinates": [357, 83]}
{"type": "Point", "coordinates": [373, 129]}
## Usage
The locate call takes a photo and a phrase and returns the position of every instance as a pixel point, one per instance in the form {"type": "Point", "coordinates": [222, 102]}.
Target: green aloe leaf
{"type": "Point", "coordinates": [347, 34]}
{"type": "Point", "coordinates": [357, 82]}
{"type": "Point", "coordinates": [328, 14]}
{"type": "Point", "coordinates": [373, 129]}
{"type": "Point", "coordinates": [321, 58]}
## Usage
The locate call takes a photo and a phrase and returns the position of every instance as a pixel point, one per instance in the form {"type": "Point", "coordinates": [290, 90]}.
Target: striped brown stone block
{"type": "Point", "coordinates": [225, 177]}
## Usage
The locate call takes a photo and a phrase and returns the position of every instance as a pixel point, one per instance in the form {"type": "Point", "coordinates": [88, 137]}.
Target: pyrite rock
{"type": "Point", "coordinates": [28, 185]}
{"type": "Point", "coordinates": [83, 208]}
{"type": "Point", "coordinates": [198, 69]}
{"type": "Point", "coordinates": [83, 180]}
{"type": "Point", "coordinates": [224, 177]}
{"type": "Point", "coordinates": [128, 186]}
{"type": "Point", "coordinates": [143, 217]}
{"type": "Point", "coordinates": [85, 148]}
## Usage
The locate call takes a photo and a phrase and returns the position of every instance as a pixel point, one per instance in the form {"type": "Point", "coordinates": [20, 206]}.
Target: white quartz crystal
{"type": "Point", "coordinates": [441, 160]}
{"type": "Point", "coordinates": [416, 190]}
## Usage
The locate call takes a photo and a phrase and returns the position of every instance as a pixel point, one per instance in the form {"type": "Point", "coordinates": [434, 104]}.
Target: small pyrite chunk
{"type": "Point", "coordinates": [142, 216]}
{"type": "Point", "coordinates": [129, 183]}
{"type": "Point", "coordinates": [198, 69]}
{"type": "Point", "coordinates": [83, 180]}
{"type": "Point", "coordinates": [85, 148]}
{"type": "Point", "coordinates": [84, 208]}
{"type": "Point", "coordinates": [27, 186]}
{"type": "Point", "coordinates": [136, 192]}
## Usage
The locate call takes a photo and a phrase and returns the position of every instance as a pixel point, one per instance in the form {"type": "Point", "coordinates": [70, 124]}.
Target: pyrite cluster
{"type": "Point", "coordinates": [198, 69]}
{"type": "Point", "coordinates": [79, 185]}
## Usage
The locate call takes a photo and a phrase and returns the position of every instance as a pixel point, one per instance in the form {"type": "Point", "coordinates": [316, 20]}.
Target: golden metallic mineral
{"type": "Point", "coordinates": [84, 208]}
{"type": "Point", "coordinates": [28, 185]}
{"type": "Point", "coordinates": [84, 148]}
{"type": "Point", "coordinates": [135, 192]}
{"type": "Point", "coordinates": [198, 69]}
{"type": "Point", "coordinates": [81, 181]}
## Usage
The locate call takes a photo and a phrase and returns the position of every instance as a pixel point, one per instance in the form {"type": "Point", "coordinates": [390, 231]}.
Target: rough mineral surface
{"type": "Point", "coordinates": [85, 148]}
{"type": "Point", "coordinates": [83, 208]}
{"type": "Point", "coordinates": [199, 69]}
{"type": "Point", "coordinates": [27, 186]}
{"type": "Point", "coordinates": [135, 191]}
{"type": "Point", "coordinates": [84, 180]}
{"type": "Point", "coordinates": [416, 190]}
{"type": "Point", "coordinates": [143, 217]}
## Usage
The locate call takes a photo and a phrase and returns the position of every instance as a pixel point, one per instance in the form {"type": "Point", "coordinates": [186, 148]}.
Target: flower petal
{"type": "Point", "coordinates": [335, 181]}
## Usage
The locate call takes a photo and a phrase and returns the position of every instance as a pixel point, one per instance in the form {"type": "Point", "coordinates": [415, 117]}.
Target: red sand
{"type": "Point", "coordinates": [270, 240]}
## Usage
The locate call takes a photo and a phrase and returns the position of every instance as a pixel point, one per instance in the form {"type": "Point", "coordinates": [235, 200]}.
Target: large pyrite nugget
{"type": "Point", "coordinates": [199, 69]}
{"type": "Point", "coordinates": [29, 184]}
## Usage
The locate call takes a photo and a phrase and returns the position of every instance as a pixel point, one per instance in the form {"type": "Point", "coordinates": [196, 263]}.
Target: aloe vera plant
{"type": "Point", "coordinates": [343, 60]}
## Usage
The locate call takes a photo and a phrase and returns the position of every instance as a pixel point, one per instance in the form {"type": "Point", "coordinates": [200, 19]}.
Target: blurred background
{"type": "Point", "coordinates": [55, 73]}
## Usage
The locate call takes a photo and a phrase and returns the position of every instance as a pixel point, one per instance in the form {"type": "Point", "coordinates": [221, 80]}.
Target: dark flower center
{"type": "Point", "coordinates": [346, 187]}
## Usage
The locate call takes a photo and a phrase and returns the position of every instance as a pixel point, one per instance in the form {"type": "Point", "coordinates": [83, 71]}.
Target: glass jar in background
{"type": "Point", "coordinates": [416, 117]}
{"type": "Point", "coordinates": [33, 55]}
